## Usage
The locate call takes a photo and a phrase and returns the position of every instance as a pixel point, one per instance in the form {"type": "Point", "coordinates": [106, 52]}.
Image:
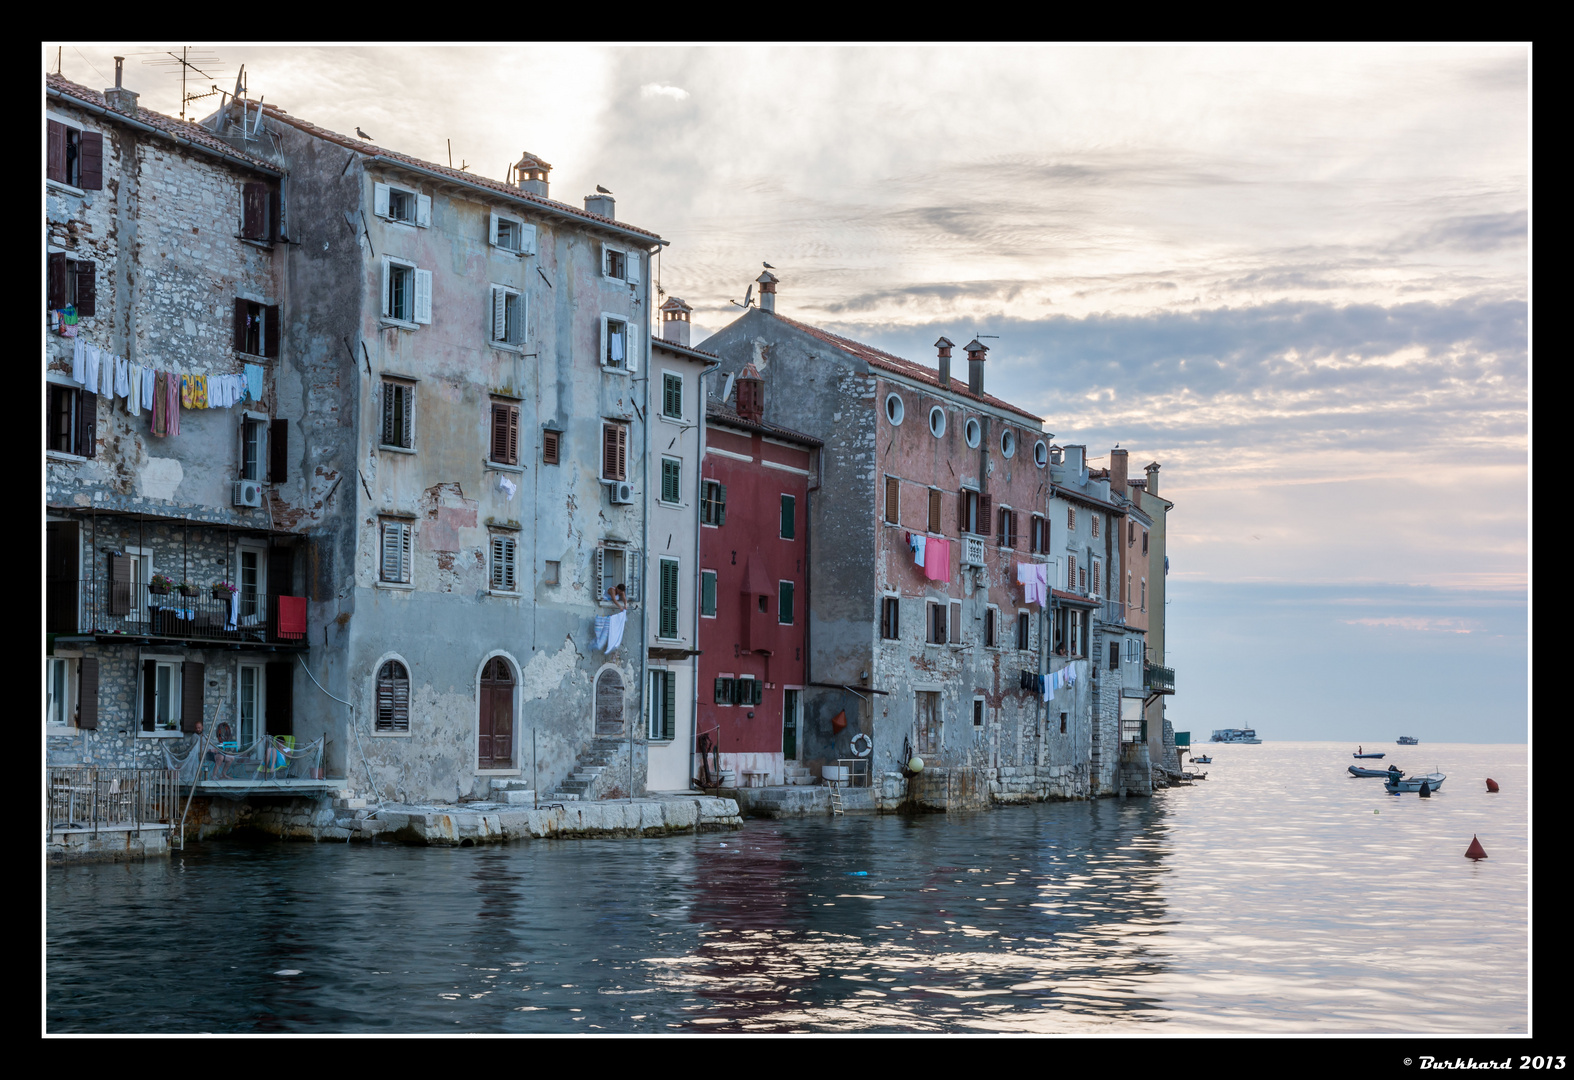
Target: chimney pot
{"type": "Point", "coordinates": [117, 97]}
{"type": "Point", "coordinates": [1117, 470]}
{"type": "Point", "coordinates": [530, 173]}
{"type": "Point", "coordinates": [975, 366]}
{"type": "Point", "coordinates": [944, 346]}
{"type": "Point", "coordinates": [602, 204]}
{"type": "Point", "coordinates": [767, 282]}
{"type": "Point", "coordinates": [675, 318]}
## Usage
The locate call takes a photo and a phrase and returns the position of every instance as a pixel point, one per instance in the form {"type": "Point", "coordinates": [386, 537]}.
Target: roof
{"type": "Point", "coordinates": [184, 130]}
{"type": "Point", "coordinates": [466, 178]}
{"type": "Point", "coordinates": [721, 413]}
{"type": "Point", "coordinates": [883, 360]}
{"type": "Point", "coordinates": [1072, 493]}
{"type": "Point", "coordinates": [684, 350]}
{"type": "Point", "coordinates": [1062, 594]}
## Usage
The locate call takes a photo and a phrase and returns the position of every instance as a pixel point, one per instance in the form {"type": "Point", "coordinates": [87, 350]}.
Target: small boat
{"type": "Point", "coordinates": [1204, 760]}
{"type": "Point", "coordinates": [1413, 783]}
{"type": "Point", "coordinates": [1236, 735]}
{"type": "Point", "coordinates": [1409, 740]}
{"type": "Point", "coordinates": [1366, 755]}
{"type": "Point", "coordinates": [1356, 770]}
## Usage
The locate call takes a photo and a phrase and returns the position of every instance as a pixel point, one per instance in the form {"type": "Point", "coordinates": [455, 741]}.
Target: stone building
{"type": "Point", "coordinates": [172, 445]}
{"type": "Point", "coordinates": [939, 658]}
{"type": "Point", "coordinates": [472, 359]}
{"type": "Point", "coordinates": [1152, 561]}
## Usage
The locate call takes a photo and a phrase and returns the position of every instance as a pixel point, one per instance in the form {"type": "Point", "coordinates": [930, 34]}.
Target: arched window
{"type": "Point", "coordinates": [495, 738]}
{"type": "Point", "coordinates": [393, 698]}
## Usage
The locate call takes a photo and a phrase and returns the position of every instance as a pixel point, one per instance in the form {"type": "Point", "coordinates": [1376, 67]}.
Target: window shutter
{"type": "Point", "coordinates": [499, 452]}
{"type": "Point", "coordinates": [601, 574]}
{"type": "Point", "coordinates": [254, 211]}
{"type": "Point", "coordinates": [527, 239]}
{"type": "Point", "coordinates": [956, 622]}
{"type": "Point", "coordinates": [87, 288]}
{"type": "Point", "coordinates": [503, 563]}
{"type": "Point", "coordinates": [380, 200]}
{"type": "Point", "coordinates": [669, 706]}
{"type": "Point", "coordinates": [423, 296]}
{"type": "Point", "coordinates": [893, 495]}
{"type": "Point", "coordinates": [240, 324]}
{"type": "Point", "coordinates": [721, 513]}
{"type": "Point", "coordinates": [605, 358]}
{"type": "Point", "coordinates": [270, 331]}
{"type": "Point", "coordinates": [499, 314]}
{"type": "Point", "coordinates": [423, 210]}
{"type": "Point", "coordinates": [633, 268]}
{"type": "Point", "coordinates": [275, 224]}
{"type": "Point", "coordinates": [279, 707]}
{"type": "Point", "coordinates": [387, 284]}
{"type": "Point", "coordinates": [149, 692]}
{"type": "Point", "coordinates": [784, 603]}
{"type": "Point", "coordinates": [669, 598]}
{"type": "Point", "coordinates": [789, 517]}
{"type": "Point", "coordinates": [87, 425]}
{"type": "Point", "coordinates": [120, 585]}
{"type": "Point", "coordinates": [708, 593]}
{"type": "Point", "coordinates": [90, 161]}
{"type": "Point", "coordinates": [191, 686]}
{"type": "Point", "coordinates": [985, 504]}
{"type": "Point", "coordinates": [1071, 571]}
{"type": "Point", "coordinates": [721, 693]}
{"type": "Point", "coordinates": [1011, 537]}
{"type": "Point", "coordinates": [407, 399]}
{"type": "Point", "coordinates": [631, 561]}
{"type": "Point", "coordinates": [278, 451]}
{"type": "Point", "coordinates": [55, 166]}
{"type": "Point", "coordinates": [87, 693]}
{"type": "Point", "coordinates": [934, 511]}
{"type": "Point", "coordinates": [56, 278]}
{"type": "Point", "coordinates": [491, 236]}
{"type": "Point", "coordinates": [550, 446]}
{"type": "Point", "coordinates": [609, 452]}
{"type": "Point", "coordinates": [390, 411]}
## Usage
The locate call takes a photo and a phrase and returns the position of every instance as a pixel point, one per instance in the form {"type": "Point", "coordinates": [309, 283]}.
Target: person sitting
{"type": "Point", "coordinates": [223, 737]}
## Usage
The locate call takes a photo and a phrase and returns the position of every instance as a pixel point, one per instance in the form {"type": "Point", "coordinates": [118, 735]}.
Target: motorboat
{"type": "Point", "coordinates": [1356, 770]}
{"type": "Point", "coordinates": [1204, 760]}
{"type": "Point", "coordinates": [1409, 740]}
{"type": "Point", "coordinates": [1235, 735]}
{"type": "Point", "coordinates": [1366, 755]}
{"type": "Point", "coordinates": [1413, 783]}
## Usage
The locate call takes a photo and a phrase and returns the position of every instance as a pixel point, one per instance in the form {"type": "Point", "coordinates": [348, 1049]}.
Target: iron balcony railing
{"type": "Point", "coordinates": [1158, 678]}
{"type": "Point", "coordinates": [88, 797]}
{"type": "Point", "coordinates": [142, 611]}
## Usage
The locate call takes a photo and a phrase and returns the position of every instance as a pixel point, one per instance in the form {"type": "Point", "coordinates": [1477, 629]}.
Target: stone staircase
{"type": "Point", "coordinates": [797, 775]}
{"type": "Point", "coordinates": [585, 781]}
{"type": "Point", "coordinates": [513, 792]}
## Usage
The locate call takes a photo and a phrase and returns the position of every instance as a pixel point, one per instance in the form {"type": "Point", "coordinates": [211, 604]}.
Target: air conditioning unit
{"type": "Point", "coordinates": [622, 493]}
{"type": "Point", "coordinates": [248, 493]}
{"type": "Point", "coordinates": [972, 551]}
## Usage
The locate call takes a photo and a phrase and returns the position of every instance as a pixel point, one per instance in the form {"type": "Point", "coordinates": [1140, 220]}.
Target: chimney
{"type": "Point", "coordinates": [1117, 470]}
{"type": "Point", "coordinates": [945, 347]}
{"type": "Point", "coordinates": [601, 203]}
{"type": "Point", "coordinates": [675, 321]}
{"type": "Point", "coordinates": [119, 98]}
{"type": "Point", "coordinates": [1076, 461]}
{"type": "Point", "coordinates": [767, 282]}
{"type": "Point", "coordinates": [751, 394]}
{"type": "Point", "coordinates": [530, 173]}
{"type": "Point", "coordinates": [975, 366]}
{"type": "Point", "coordinates": [1153, 478]}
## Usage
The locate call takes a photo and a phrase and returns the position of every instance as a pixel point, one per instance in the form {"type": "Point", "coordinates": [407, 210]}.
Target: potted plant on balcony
{"type": "Point", "coordinates": [223, 590]}
{"type": "Point", "coordinates": [160, 584]}
{"type": "Point", "coordinates": [186, 588]}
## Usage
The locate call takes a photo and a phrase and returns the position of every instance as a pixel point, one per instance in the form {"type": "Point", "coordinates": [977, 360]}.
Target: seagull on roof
{"type": "Point", "coordinates": [361, 133]}
{"type": "Point", "coordinates": [767, 266]}
{"type": "Point", "coordinates": [603, 190]}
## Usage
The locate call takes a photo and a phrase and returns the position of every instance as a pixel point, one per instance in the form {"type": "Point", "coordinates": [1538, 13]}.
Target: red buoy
{"type": "Point", "coordinates": [1491, 784]}
{"type": "Point", "coordinates": [1475, 850]}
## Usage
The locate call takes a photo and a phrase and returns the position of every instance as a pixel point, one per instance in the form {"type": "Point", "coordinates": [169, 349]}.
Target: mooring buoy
{"type": "Point", "coordinates": [1426, 789]}
{"type": "Point", "coordinates": [1491, 784]}
{"type": "Point", "coordinates": [1475, 850]}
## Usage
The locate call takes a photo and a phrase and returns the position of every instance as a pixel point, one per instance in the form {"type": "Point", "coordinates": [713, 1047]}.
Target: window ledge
{"type": "Point", "coordinates": [507, 346]}
{"type": "Point", "coordinates": [501, 467]}
{"type": "Point", "coordinates": [614, 370]}
{"type": "Point", "coordinates": [676, 421]}
{"type": "Point", "coordinates": [60, 730]}
{"type": "Point", "coordinates": [392, 734]}
{"type": "Point", "coordinates": [505, 595]}
{"type": "Point", "coordinates": [396, 449]}
{"type": "Point", "coordinates": [61, 185]}
{"type": "Point", "coordinates": [672, 505]}
{"type": "Point", "coordinates": [266, 245]}
{"type": "Point", "coordinates": [399, 324]}
{"type": "Point", "coordinates": [61, 455]}
{"type": "Point", "coordinates": [162, 734]}
{"type": "Point", "coordinates": [252, 355]}
{"type": "Point", "coordinates": [515, 252]}
{"type": "Point", "coordinates": [399, 586]}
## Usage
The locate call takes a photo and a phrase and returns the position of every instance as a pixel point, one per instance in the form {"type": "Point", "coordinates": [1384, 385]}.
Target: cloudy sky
{"type": "Point", "coordinates": [1295, 276]}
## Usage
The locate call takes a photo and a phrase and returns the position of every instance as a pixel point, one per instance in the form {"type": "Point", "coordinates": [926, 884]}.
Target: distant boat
{"type": "Point", "coordinates": [1236, 735]}
{"type": "Point", "coordinates": [1204, 760]}
{"type": "Point", "coordinates": [1356, 770]}
{"type": "Point", "coordinates": [1366, 755]}
{"type": "Point", "coordinates": [1409, 740]}
{"type": "Point", "coordinates": [1413, 783]}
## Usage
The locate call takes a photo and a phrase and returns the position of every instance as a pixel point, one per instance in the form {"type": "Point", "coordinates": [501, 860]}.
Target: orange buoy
{"type": "Point", "coordinates": [1491, 784]}
{"type": "Point", "coordinates": [839, 721]}
{"type": "Point", "coordinates": [1475, 850]}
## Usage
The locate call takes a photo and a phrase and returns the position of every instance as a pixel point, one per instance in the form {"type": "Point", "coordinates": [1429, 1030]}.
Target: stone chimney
{"type": "Point", "coordinates": [1076, 461]}
{"type": "Point", "coordinates": [530, 173]}
{"type": "Point", "coordinates": [118, 97]}
{"type": "Point", "coordinates": [975, 366]}
{"type": "Point", "coordinates": [1117, 470]}
{"type": "Point", "coordinates": [601, 203]}
{"type": "Point", "coordinates": [1153, 478]}
{"type": "Point", "coordinates": [751, 394]}
{"type": "Point", "coordinates": [767, 282]}
{"type": "Point", "coordinates": [675, 321]}
{"type": "Point", "coordinates": [945, 347]}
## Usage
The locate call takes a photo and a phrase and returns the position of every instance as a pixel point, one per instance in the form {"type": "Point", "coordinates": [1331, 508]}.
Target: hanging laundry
{"type": "Point", "coordinates": [187, 391]}
{"type": "Point", "coordinates": [148, 375]}
{"type": "Point", "coordinates": [90, 370]}
{"type": "Point", "coordinates": [254, 382]}
{"type": "Point", "coordinates": [70, 314]}
{"type": "Point", "coordinates": [79, 361]}
{"type": "Point", "coordinates": [199, 391]}
{"type": "Point", "coordinates": [122, 382]}
{"type": "Point", "coordinates": [172, 402]}
{"type": "Point", "coordinates": [937, 559]}
{"type": "Point", "coordinates": [919, 545]}
{"type": "Point", "coordinates": [159, 421]}
{"type": "Point", "coordinates": [234, 613]}
{"type": "Point", "coordinates": [133, 387]}
{"type": "Point", "coordinates": [615, 627]}
{"type": "Point", "coordinates": [507, 487]}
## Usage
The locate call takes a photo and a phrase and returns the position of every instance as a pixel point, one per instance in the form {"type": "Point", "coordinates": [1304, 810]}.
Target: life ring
{"type": "Point", "coordinates": [862, 745]}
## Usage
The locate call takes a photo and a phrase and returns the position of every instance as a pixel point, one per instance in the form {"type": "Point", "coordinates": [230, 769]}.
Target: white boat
{"type": "Point", "coordinates": [1409, 740]}
{"type": "Point", "coordinates": [1413, 783]}
{"type": "Point", "coordinates": [1235, 735]}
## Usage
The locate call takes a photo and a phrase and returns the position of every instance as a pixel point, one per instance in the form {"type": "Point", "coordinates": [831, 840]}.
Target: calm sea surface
{"type": "Point", "coordinates": [1279, 896]}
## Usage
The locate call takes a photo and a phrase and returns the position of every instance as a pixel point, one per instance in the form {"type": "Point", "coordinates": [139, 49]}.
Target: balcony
{"type": "Point", "coordinates": [1114, 613]}
{"type": "Point", "coordinates": [135, 611]}
{"type": "Point", "coordinates": [972, 551]}
{"type": "Point", "coordinates": [91, 799]}
{"type": "Point", "coordinates": [1158, 680]}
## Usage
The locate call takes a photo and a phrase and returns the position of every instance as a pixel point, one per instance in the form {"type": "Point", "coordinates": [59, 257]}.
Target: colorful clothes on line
{"type": "Point", "coordinates": [937, 559]}
{"type": "Point", "coordinates": [159, 424]}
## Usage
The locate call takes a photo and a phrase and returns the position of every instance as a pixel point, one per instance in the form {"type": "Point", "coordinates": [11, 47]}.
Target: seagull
{"type": "Point", "coordinates": [768, 266]}
{"type": "Point", "coordinates": [603, 190]}
{"type": "Point", "coordinates": [361, 133]}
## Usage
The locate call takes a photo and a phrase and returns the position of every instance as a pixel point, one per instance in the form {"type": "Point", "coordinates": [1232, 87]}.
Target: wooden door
{"type": "Point", "coordinates": [496, 740]}
{"type": "Point", "coordinates": [928, 722]}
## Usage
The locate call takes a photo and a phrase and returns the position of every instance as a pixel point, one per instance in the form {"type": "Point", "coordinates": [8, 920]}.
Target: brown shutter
{"type": "Point", "coordinates": [550, 447]}
{"type": "Point", "coordinates": [961, 511]}
{"type": "Point", "coordinates": [499, 432]}
{"type": "Point", "coordinates": [985, 506]}
{"type": "Point", "coordinates": [934, 511]}
{"type": "Point", "coordinates": [55, 163]}
{"type": "Point", "coordinates": [893, 507]}
{"type": "Point", "coordinates": [87, 693]}
{"type": "Point", "coordinates": [275, 220]}
{"type": "Point", "coordinates": [623, 450]}
{"type": "Point", "coordinates": [86, 288]}
{"type": "Point", "coordinates": [56, 278]}
{"type": "Point", "coordinates": [270, 331]}
{"type": "Point", "coordinates": [254, 211]}
{"type": "Point", "coordinates": [279, 707]}
{"type": "Point", "coordinates": [119, 584]}
{"type": "Point", "coordinates": [609, 451]}
{"type": "Point", "coordinates": [90, 161]}
{"type": "Point", "coordinates": [1011, 537]}
{"type": "Point", "coordinates": [191, 686]}
{"type": "Point", "coordinates": [87, 425]}
{"type": "Point", "coordinates": [279, 451]}
{"type": "Point", "coordinates": [149, 692]}
{"type": "Point", "coordinates": [240, 325]}
{"type": "Point", "coordinates": [513, 434]}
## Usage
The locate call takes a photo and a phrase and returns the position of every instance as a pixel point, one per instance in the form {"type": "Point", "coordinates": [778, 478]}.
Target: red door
{"type": "Point", "coordinates": [496, 743]}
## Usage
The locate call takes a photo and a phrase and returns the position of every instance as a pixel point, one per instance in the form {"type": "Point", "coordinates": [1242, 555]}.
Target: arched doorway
{"type": "Point", "coordinates": [609, 703]}
{"type": "Point", "coordinates": [495, 745]}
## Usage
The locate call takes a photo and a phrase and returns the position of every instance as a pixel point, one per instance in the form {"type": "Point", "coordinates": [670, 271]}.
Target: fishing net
{"type": "Point", "coordinates": [223, 766]}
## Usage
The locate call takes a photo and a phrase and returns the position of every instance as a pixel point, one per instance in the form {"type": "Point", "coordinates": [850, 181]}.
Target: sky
{"type": "Point", "coordinates": [1297, 277]}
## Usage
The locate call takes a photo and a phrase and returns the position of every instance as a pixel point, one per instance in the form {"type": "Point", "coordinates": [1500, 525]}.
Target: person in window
{"type": "Point", "coordinates": [619, 596]}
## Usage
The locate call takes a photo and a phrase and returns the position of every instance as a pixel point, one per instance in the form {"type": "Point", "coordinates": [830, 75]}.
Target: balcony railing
{"type": "Point", "coordinates": [141, 611]}
{"type": "Point", "coordinates": [86, 797]}
{"type": "Point", "coordinates": [1158, 679]}
{"type": "Point", "coordinates": [972, 551]}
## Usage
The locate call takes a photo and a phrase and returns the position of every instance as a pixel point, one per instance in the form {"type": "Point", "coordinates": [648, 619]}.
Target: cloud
{"type": "Point", "coordinates": [651, 90]}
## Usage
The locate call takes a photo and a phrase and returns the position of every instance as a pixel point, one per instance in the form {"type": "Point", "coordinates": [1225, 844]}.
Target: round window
{"type": "Point", "coordinates": [893, 408]}
{"type": "Point", "coordinates": [973, 432]}
{"type": "Point", "coordinates": [1008, 442]}
{"type": "Point", "coordinates": [1040, 454]}
{"type": "Point", "coordinates": [937, 421]}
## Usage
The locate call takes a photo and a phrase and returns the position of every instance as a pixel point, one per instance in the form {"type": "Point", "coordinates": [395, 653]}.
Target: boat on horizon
{"type": "Point", "coordinates": [1235, 735]}
{"type": "Point", "coordinates": [1409, 740]}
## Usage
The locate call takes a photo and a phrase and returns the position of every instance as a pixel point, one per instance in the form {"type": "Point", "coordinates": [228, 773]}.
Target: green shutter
{"type": "Point", "coordinates": [672, 396]}
{"type": "Point", "coordinates": [671, 481]}
{"type": "Point", "coordinates": [784, 603]}
{"type": "Point", "coordinates": [669, 599]}
{"type": "Point", "coordinates": [789, 504]}
{"type": "Point", "coordinates": [669, 721]}
{"type": "Point", "coordinates": [708, 592]}
{"type": "Point", "coordinates": [721, 504]}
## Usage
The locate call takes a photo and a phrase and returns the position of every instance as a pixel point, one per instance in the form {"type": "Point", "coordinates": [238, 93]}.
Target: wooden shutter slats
{"type": "Point", "coordinates": [87, 425]}
{"type": "Point", "coordinates": [191, 697]}
{"type": "Point", "coordinates": [278, 451]}
{"type": "Point", "coordinates": [90, 161]}
{"type": "Point", "coordinates": [241, 307]}
{"type": "Point", "coordinates": [550, 447]}
{"type": "Point", "coordinates": [86, 288]}
{"type": "Point", "coordinates": [87, 693]}
{"type": "Point", "coordinates": [55, 167]}
{"type": "Point", "coordinates": [254, 211]}
{"type": "Point", "coordinates": [56, 277]}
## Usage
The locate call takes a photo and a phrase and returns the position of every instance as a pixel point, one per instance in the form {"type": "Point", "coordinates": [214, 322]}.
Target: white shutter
{"type": "Point", "coordinates": [423, 296]}
{"type": "Point", "coordinates": [380, 201]}
{"type": "Point", "coordinates": [404, 553]}
{"type": "Point", "coordinates": [423, 210]}
{"type": "Point", "coordinates": [631, 573]}
{"type": "Point", "coordinates": [386, 271]}
{"type": "Point", "coordinates": [408, 393]}
{"type": "Point", "coordinates": [601, 573]}
{"type": "Point", "coordinates": [391, 548]}
{"type": "Point", "coordinates": [499, 314]}
{"type": "Point", "coordinates": [631, 345]}
{"type": "Point", "coordinates": [633, 267]}
{"type": "Point", "coordinates": [492, 235]}
{"type": "Point", "coordinates": [603, 355]}
{"type": "Point", "coordinates": [527, 239]}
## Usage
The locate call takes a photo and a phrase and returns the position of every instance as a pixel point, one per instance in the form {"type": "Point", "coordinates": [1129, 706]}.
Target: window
{"type": "Point", "coordinates": [668, 626]}
{"type": "Point", "coordinates": [789, 517]}
{"type": "Point", "coordinates": [398, 415]}
{"type": "Point", "coordinates": [1024, 624]}
{"type": "Point", "coordinates": [672, 395]}
{"type": "Point", "coordinates": [934, 510]}
{"type": "Point", "coordinates": [505, 434]}
{"type": "Point", "coordinates": [508, 316]}
{"type": "Point", "coordinates": [407, 293]}
{"type": "Point", "coordinates": [71, 282]}
{"type": "Point", "coordinates": [890, 618]}
{"type": "Point", "coordinates": [671, 481]}
{"type": "Point", "coordinates": [1008, 442]}
{"type": "Point", "coordinates": [1144, 541]}
{"type": "Point", "coordinates": [1128, 587]}
{"type": "Point", "coordinates": [513, 235]}
{"type": "Point", "coordinates": [1114, 655]}
{"type": "Point", "coordinates": [722, 692]}
{"type": "Point", "coordinates": [1095, 581]}
{"type": "Point", "coordinates": [978, 712]}
{"type": "Point", "coordinates": [1007, 533]}
{"type": "Point", "coordinates": [171, 692]}
{"type": "Point", "coordinates": [614, 451]}
{"type": "Point", "coordinates": [253, 435]}
{"type": "Point", "coordinates": [401, 204]}
{"type": "Point", "coordinates": [1062, 723]}
{"type": "Point", "coordinates": [991, 624]}
{"type": "Point", "coordinates": [1040, 454]}
{"type": "Point", "coordinates": [551, 446]}
{"type": "Point", "coordinates": [73, 421]}
{"type": "Point", "coordinates": [663, 705]}
{"type": "Point", "coordinates": [614, 263]}
{"type": "Point", "coordinates": [937, 421]}
{"type": "Point", "coordinates": [503, 549]}
{"type": "Point", "coordinates": [395, 563]}
{"type": "Point", "coordinates": [617, 344]}
{"type": "Point", "coordinates": [1093, 523]}
{"type": "Point", "coordinates": [930, 722]}
{"type": "Point", "coordinates": [393, 699]}
{"type": "Point", "coordinates": [1071, 519]}
{"type": "Point", "coordinates": [974, 432]}
{"type": "Point", "coordinates": [76, 157]}
{"type": "Point", "coordinates": [60, 692]}
{"type": "Point", "coordinates": [256, 328]}
{"type": "Point", "coordinates": [784, 609]}
{"type": "Point", "coordinates": [616, 565]}
{"type": "Point", "coordinates": [249, 707]}
{"type": "Point", "coordinates": [1131, 533]}
{"type": "Point", "coordinates": [713, 503]}
{"type": "Point", "coordinates": [1038, 534]}
{"type": "Point", "coordinates": [967, 511]}
{"type": "Point", "coordinates": [937, 623]}
{"type": "Point", "coordinates": [1144, 594]}
{"type": "Point", "coordinates": [708, 594]}
{"type": "Point", "coordinates": [747, 690]}
{"type": "Point", "coordinates": [893, 501]}
{"type": "Point", "coordinates": [956, 622]}
{"type": "Point", "coordinates": [259, 212]}
{"type": "Point", "coordinates": [894, 409]}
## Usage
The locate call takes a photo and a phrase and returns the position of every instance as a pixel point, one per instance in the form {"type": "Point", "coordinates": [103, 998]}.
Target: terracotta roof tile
{"type": "Point", "coordinates": [722, 413]}
{"type": "Point", "coordinates": [881, 359]}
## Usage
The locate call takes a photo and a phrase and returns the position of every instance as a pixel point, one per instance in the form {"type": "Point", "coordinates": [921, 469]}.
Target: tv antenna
{"type": "Point", "coordinates": [188, 61]}
{"type": "Point", "coordinates": [748, 298]}
{"type": "Point", "coordinates": [980, 337]}
{"type": "Point", "coordinates": [462, 165]}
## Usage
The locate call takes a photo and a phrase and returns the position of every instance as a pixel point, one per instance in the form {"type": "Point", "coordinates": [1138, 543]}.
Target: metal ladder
{"type": "Point", "coordinates": [836, 799]}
